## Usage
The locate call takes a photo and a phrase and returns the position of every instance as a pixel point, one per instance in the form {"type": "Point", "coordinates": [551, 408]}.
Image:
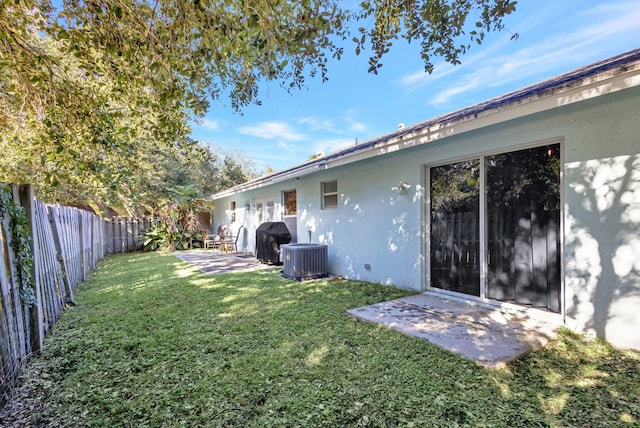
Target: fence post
{"type": "Point", "coordinates": [104, 223]}
{"type": "Point", "coordinates": [27, 200]}
{"type": "Point", "coordinates": [122, 228]}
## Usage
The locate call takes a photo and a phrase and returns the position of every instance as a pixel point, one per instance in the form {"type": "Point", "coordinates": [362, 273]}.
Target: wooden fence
{"type": "Point", "coordinates": [66, 243]}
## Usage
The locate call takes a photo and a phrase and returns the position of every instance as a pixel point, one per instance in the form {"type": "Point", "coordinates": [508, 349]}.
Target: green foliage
{"type": "Point", "coordinates": [455, 185]}
{"type": "Point", "coordinates": [157, 238]}
{"type": "Point", "coordinates": [20, 244]}
{"type": "Point", "coordinates": [163, 236]}
{"type": "Point", "coordinates": [178, 227]}
{"type": "Point", "coordinates": [96, 97]}
{"type": "Point", "coordinates": [445, 29]}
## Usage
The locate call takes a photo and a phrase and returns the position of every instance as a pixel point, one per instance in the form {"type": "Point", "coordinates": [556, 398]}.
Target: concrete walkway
{"type": "Point", "coordinates": [489, 337]}
{"type": "Point", "coordinates": [209, 261]}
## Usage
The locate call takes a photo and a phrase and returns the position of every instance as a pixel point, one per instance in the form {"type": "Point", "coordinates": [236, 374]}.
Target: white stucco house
{"type": "Point", "coordinates": [529, 200]}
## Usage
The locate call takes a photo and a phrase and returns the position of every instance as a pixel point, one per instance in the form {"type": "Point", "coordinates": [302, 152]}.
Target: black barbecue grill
{"type": "Point", "coordinates": [269, 237]}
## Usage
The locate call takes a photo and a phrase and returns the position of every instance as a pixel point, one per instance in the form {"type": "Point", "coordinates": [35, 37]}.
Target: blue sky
{"type": "Point", "coordinates": [288, 128]}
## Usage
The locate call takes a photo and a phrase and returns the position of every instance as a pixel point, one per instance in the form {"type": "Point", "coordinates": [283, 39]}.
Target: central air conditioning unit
{"type": "Point", "coordinates": [304, 261]}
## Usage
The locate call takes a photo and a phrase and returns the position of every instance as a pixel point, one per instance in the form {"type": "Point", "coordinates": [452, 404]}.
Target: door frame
{"type": "Point", "coordinates": [426, 241]}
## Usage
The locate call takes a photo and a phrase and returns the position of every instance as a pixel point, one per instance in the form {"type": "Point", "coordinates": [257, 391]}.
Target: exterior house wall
{"type": "Point", "coordinates": [376, 226]}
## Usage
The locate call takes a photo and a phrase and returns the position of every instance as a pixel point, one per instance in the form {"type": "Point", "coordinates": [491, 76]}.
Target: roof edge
{"type": "Point", "coordinates": [583, 76]}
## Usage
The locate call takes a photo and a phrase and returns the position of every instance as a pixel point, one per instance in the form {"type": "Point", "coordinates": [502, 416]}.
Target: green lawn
{"type": "Point", "coordinates": [153, 342]}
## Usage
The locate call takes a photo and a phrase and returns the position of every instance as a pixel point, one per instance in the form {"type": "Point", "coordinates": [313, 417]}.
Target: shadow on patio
{"type": "Point", "coordinates": [209, 261]}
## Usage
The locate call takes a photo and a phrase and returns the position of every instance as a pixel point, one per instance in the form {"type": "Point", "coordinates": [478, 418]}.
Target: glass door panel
{"type": "Point", "coordinates": [290, 213]}
{"type": "Point", "coordinates": [455, 225]}
{"type": "Point", "coordinates": [264, 210]}
{"type": "Point", "coordinates": [523, 226]}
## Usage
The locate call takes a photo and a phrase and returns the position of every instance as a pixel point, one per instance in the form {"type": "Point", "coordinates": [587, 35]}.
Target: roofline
{"type": "Point", "coordinates": [608, 76]}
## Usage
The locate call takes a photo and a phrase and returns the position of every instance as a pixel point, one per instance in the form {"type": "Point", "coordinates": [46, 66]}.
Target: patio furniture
{"type": "Point", "coordinates": [230, 242]}
{"type": "Point", "coordinates": [214, 241]}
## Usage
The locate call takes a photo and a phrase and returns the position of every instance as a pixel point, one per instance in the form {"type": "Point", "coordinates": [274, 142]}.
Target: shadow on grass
{"type": "Point", "coordinates": [153, 342]}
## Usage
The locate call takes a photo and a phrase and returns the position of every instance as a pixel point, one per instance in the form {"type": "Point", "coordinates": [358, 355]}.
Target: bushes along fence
{"type": "Point", "coordinates": [64, 245]}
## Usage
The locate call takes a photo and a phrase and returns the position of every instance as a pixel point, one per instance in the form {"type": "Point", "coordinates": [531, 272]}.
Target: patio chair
{"type": "Point", "coordinates": [214, 241]}
{"type": "Point", "coordinates": [230, 242]}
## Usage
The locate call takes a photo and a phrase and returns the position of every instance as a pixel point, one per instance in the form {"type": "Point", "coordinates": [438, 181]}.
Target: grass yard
{"type": "Point", "coordinates": [153, 342]}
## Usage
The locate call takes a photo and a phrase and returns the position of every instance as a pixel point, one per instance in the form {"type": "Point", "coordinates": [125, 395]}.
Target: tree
{"type": "Point", "coordinates": [179, 227]}
{"type": "Point", "coordinates": [440, 26]}
{"type": "Point", "coordinates": [97, 91]}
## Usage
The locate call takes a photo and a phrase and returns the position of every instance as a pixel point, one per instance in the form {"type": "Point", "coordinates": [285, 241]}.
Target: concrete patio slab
{"type": "Point", "coordinates": [487, 336]}
{"type": "Point", "coordinates": [212, 262]}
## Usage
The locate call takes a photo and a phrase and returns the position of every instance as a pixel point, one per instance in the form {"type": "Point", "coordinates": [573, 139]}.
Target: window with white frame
{"type": "Point", "coordinates": [330, 194]}
{"type": "Point", "coordinates": [290, 202]}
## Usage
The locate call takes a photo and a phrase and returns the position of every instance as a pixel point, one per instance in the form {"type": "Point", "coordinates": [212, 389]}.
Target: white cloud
{"type": "Point", "coordinates": [212, 125]}
{"type": "Point", "coordinates": [358, 127]}
{"type": "Point", "coordinates": [581, 42]}
{"type": "Point", "coordinates": [415, 81]}
{"type": "Point", "coordinates": [272, 130]}
{"type": "Point", "coordinates": [329, 125]}
{"type": "Point", "coordinates": [353, 124]}
{"type": "Point", "coordinates": [318, 124]}
{"type": "Point", "coordinates": [443, 96]}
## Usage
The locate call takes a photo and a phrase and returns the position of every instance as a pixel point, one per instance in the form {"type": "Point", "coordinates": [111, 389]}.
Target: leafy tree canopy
{"type": "Point", "coordinates": [96, 91]}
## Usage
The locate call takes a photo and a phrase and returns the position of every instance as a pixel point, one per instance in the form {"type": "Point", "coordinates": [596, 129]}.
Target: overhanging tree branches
{"type": "Point", "coordinates": [87, 89]}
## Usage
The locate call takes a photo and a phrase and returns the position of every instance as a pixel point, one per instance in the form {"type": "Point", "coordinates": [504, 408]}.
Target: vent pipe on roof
{"type": "Point", "coordinates": [400, 125]}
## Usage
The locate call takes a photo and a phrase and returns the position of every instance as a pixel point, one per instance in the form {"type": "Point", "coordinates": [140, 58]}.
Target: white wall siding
{"type": "Point", "coordinates": [374, 233]}
{"type": "Point", "coordinates": [602, 219]}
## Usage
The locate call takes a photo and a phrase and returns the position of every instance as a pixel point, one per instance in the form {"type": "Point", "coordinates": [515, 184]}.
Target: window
{"type": "Point", "coordinates": [233, 211]}
{"type": "Point", "coordinates": [330, 194]}
{"type": "Point", "coordinates": [290, 203]}
{"type": "Point", "coordinates": [523, 227]}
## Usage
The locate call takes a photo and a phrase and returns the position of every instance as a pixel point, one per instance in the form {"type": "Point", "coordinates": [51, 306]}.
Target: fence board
{"type": "Point", "coordinates": [22, 315]}
{"type": "Point", "coordinates": [35, 326]}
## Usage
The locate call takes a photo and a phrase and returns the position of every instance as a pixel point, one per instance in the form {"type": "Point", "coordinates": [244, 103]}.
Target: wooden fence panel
{"type": "Point", "coordinates": [98, 239]}
{"type": "Point", "coordinates": [14, 323]}
{"type": "Point", "coordinates": [123, 234]}
{"type": "Point", "coordinates": [49, 267]}
{"type": "Point", "coordinates": [10, 350]}
{"type": "Point", "coordinates": [67, 244]}
{"type": "Point", "coordinates": [66, 227]}
{"type": "Point", "coordinates": [455, 263]}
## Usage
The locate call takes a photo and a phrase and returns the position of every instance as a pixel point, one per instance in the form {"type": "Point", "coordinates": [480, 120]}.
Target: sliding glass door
{"type": "Point", "coordinates": [521, 225]}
